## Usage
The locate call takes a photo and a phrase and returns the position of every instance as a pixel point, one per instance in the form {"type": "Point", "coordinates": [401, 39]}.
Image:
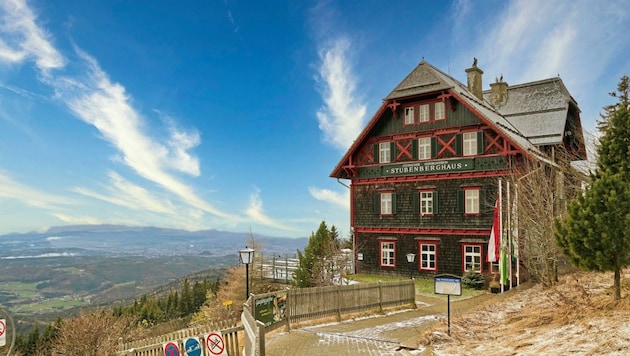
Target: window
{"type": "Point", "coordinates": [388, 254]}
{"type": "Point", "coordinates": [409, 118]}
{"type": "Point", "coordinates": [384, 150]}
{"type": "Point", "coordinates": [428, 253]}
{"type": "Point", "coordinates": [472, 258]}
{"type": "Point", "coordinates": [426, 203]}
{"type": "Point", "coordinates": [386, 203]}
{"type": "Point", "coordinates": [440, 113]}
{"type": "Point", "coordinates": [470, 143]}
{"type": "Point", "coordinates": [471, 201]}
{"type": "Point", "coordinates": [424, 113]}
{"type": "Point", "coordinates": [424, 148]}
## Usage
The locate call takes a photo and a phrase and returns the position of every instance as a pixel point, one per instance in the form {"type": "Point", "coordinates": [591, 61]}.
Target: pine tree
{"type": "Point", "coordinates": [595, 234]}
{"type": "Point", "coordinates": [315, 266]}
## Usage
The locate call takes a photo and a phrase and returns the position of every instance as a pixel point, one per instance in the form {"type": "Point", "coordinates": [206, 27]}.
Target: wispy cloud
{"type": "Point", "coordinates": [342, 117]}
{"type": "Point", "coordinates": [11, 189]}
{"type": "Point", "coordinates": [336, 198]}
{"type": "Point", "coordinates": [535, 39]}
{"type": "Point", "coordinates": [256, 212]}
{"type": "Point", "coordinates": [123, 193]}
{"type": "Point", "coordinates": [77, 220]}
{"type": "Point", "coordinates": [24, 39]}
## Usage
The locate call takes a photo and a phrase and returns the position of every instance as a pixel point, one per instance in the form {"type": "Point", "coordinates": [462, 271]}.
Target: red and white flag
{"type": "Point", "coordinates": [494, 246]}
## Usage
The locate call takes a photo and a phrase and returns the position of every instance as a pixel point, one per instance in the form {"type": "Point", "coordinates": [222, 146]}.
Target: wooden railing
{"type": "Point", "coordinates": [155, 346]}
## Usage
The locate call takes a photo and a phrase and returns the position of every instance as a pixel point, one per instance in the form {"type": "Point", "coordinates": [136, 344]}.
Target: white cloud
{"type": "Point", "coordinates": [26, 39]}
{"type": "Point", "coordinates": [256, 212]}
{"type": "Point", "coordinates": [343, 115]}
{"type": "Point", "coordinates": [11, 189]}
{"type": "Point", "coordinates": [77, 220]}
{"type": "Point", "coordinates": [339, 199]}
{"type": "Point", "coordinates": [123, 193]}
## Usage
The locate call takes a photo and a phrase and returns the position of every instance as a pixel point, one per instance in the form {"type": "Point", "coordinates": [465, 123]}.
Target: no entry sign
{"type": "Point", "coordinates": [215, 344]}
{"type": "Point", "coordinates": [3, 332]}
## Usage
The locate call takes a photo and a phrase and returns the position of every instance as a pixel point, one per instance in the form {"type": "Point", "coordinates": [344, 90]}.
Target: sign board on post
{"type": "Point", "coordinates": [215, 344]}
{"type": "Point", "coordinates": [449, 285]}
{"type": "Point", "coordinates": [3, 332]}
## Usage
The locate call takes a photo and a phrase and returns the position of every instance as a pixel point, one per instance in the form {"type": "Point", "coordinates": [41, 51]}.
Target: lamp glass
{"type": "Point", "coordinates": [411, 257]}
{"type": "Point", "coordinates": [246, 255]}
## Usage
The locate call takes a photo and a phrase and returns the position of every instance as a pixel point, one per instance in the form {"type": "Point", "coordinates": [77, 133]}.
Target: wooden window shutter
{"type": "Point", "coordinates": [392, 151]}
{"type": "Point", "coordinates": [460, 201]}
{"type": "Point", "coordinates": [393, 203]}
{"type": "Point", "coordinates": [433, 147]}
{"type": "Point", "coordinates": [377, 203]}
{"type": "Point", "coordinates": [414, 149]}
{"type": "Point", "coordinates": [435, 202]}
{"type": "Point", "coordinates": [480, 144]}
{"type": "Point", "coordinates": [458, 144]}
{"type": "Point", "coordinates": [416, 202]}
{"type": "Point", "coordinates": [376, 153]}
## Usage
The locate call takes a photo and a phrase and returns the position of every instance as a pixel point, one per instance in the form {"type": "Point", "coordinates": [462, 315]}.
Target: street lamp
{"type": "Point", "coordinates": [410, 258]}
{"type": "Point", "coordinates": [246, 256]}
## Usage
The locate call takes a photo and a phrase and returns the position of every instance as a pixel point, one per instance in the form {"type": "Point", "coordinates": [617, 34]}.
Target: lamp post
{"type": "Point", "coordinates": [410, 258]}
{"type": "Point", "coordinates": [246, 256]}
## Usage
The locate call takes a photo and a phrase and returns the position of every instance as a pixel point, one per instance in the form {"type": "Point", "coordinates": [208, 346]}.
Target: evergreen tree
{"type": "Point", "coordinates": [315, 265]}
{"type": "Point", "coordinates": [595, 234]}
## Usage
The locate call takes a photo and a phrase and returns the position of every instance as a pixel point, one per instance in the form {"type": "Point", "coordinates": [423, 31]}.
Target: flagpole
{"type": "Point", "coordinates": [516, 254]}
{"type": "Point", "coordinates": [501, 255]}
{"type": "Point", "coordinates": [509, 233]}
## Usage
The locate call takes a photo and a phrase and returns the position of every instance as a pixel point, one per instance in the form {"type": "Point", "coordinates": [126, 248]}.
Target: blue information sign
{"type": "Point", "coordinates": [192, 346]}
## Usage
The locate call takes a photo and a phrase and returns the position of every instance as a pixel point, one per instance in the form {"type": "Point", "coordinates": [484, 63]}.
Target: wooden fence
{"type": "Point", "coordinates": [254, 331]}
{"type": "Point", "coordinates": [155, 346]}
{"type": "Point", "coordinates": [304, 304]}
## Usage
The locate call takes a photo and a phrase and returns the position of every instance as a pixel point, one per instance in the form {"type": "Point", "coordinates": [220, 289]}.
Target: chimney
{"type": "Point", "coordinates": [474, 80]}
{"type": "Point", "coordinates": [498, 93]}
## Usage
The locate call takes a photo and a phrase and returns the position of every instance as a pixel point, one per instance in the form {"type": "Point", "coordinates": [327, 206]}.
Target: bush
{"type": "Point", "coordinates": [474, 280]}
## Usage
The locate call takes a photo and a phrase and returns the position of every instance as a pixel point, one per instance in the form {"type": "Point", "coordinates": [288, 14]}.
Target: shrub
{"type": "Point", "coordinates": [474, 280]}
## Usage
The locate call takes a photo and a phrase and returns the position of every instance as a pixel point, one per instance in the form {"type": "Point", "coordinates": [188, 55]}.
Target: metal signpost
{"type": "Point", "coordinates": [449, 285]}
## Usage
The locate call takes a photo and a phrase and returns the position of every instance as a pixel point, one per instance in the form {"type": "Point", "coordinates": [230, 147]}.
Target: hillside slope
{"type": "Point", "coordinates": [578, 316]}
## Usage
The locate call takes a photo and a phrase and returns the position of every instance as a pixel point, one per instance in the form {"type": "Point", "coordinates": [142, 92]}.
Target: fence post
{"type": "Point", "coordinates": [338, 289]}
{"type": "Point", "coordinates": [286, 269]}
{"type": "Point", "coordinates": [380, 297]}
{"type": "Point", "coordinates": [261, 338]}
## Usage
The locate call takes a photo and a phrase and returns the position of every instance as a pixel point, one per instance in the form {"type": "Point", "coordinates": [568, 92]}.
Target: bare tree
{"type": "Point", "coordinates": [92, 333]}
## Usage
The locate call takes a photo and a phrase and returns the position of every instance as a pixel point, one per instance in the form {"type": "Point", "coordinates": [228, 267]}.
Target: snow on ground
{"type": "Point", "coordinates": [577, 317]}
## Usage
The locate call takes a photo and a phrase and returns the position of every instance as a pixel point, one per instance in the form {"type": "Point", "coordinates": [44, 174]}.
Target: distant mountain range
{"type": "Point", "coordinates": [118, 240]}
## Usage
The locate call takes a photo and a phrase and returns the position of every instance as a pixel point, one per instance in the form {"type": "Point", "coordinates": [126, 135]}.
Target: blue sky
{"type": "Point", "coordinates": [231, 114]}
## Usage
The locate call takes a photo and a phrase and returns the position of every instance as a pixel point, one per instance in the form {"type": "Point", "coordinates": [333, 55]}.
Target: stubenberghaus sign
{"type": "Point", "coordinates": [455, 165]}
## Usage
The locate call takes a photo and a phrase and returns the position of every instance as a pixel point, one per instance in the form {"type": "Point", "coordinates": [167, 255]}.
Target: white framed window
{"type": "Point", "coordinates": [386, 203]}
{"type": "Point", "coordinates": [388, 254]}
{"type": "Point", "coordinates": [384, 152]}
{"type": "Point", "coordinates": [424, 148]}
{"type": "Point", "coordinates": [440, 113]}
{"type": "Point", "coordinates": [426, 203]}
{"type": "Point", "coordinates": [409, 118]}
{"type": "Point", "coordinates": [472, 258]}
{"type": "Point", "coordinates": [471, 201]}
{"type": "Point", "coordinates": [469, 143]}
{"type": "Point", "coordinates": [428, 255]}
{"type": "Point", "coordinates": [424, 113]}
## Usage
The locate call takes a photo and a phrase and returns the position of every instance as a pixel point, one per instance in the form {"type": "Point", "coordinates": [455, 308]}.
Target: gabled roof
{"type": "Point", "coordinates": [425, 79]}
{"type": "Point", "coordinates": [538, 109]}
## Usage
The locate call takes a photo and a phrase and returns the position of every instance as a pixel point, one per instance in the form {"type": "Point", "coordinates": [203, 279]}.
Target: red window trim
{"type": "Point", "coordinates": [427, 242]}
{"type": "Point", "coordinates": [380, 253]}
{"type": "Point", "coordinates": [481, 262]}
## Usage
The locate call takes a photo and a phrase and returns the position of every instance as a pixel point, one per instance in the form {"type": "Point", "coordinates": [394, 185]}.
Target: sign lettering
{"type": "Point", "coordinates": [429, 167]}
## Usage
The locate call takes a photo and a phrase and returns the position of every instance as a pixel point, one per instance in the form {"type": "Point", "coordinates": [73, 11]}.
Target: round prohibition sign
{"type": "Point", "coordinates": [3, 327]}
{"type": "Point", "coordinates": [215, 344]}
{"type": "Point", "coordinates": [171, 349]}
